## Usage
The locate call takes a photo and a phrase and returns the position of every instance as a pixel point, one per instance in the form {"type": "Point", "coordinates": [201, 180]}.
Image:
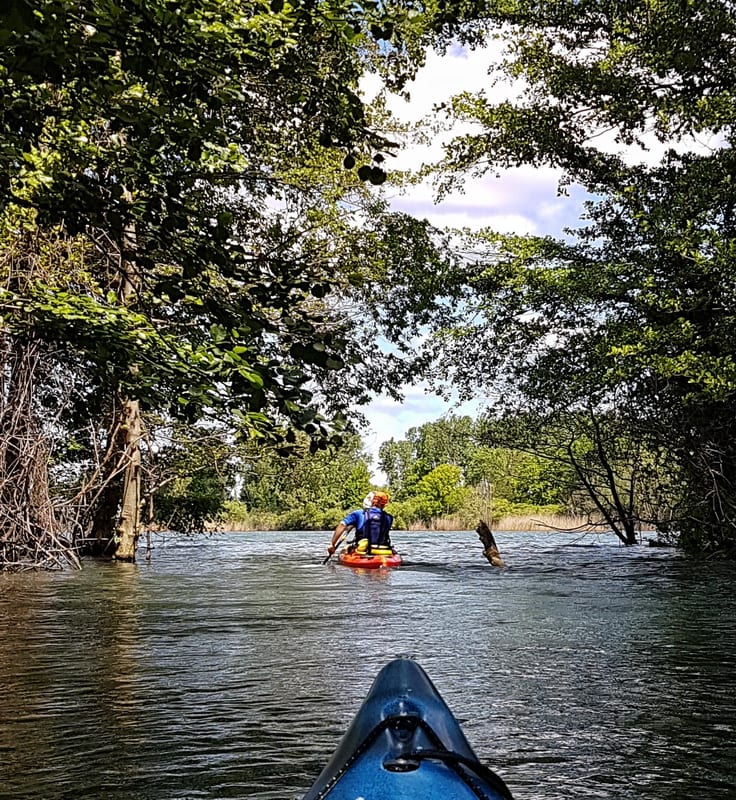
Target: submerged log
{"type": "Point", "coordinates": [490, 550]}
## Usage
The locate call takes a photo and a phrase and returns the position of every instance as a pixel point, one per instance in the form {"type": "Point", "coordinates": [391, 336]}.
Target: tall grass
{"type": "Point", "coordinates": [539, 522]}
{"type": "Point", "coordinates": [517, 522]}
{"type": "Point", "coordinates": [552, 522]}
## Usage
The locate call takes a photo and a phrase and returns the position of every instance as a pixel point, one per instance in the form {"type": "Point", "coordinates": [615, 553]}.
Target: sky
{"type": "Point", "coordinates": [523, 201]}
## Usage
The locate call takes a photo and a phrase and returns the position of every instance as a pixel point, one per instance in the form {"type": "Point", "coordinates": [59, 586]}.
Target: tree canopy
{"type": "Point", "coordinates": [629, 319]}
{"type": "Point", "coordinates": [184, 215]}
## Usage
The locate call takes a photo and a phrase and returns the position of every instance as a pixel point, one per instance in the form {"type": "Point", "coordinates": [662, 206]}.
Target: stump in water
{"type": "Point", "coordinates": [490, 549]}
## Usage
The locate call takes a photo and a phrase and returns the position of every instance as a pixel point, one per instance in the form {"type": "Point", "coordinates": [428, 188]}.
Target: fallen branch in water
{"type": "Point", "coordinates": [490, 550]}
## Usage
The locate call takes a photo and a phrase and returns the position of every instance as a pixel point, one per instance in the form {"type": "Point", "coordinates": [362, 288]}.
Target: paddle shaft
{"type": "Point", "coordinates": [343, 536]}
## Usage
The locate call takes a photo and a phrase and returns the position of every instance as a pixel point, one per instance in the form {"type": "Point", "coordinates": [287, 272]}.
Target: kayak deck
{"type": "Point", "coordinates": [403, 743]}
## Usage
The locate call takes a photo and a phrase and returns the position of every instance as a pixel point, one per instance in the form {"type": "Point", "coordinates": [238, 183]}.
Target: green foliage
{"type": "Point", "coordinates": [395, 459]}
{"type": "Point", "coordinates": [474, 506]}
{"type": "Point", "coordinates": [404, 512]}
{"type": "Point", "coordinates": [439, 493]}
{"type": "Point", "coordinates": [518, 476]}
{"type": "Point", "coordinates": [337, 478]}
{"type": "Point", "coordinates": [448, 440]}
{"type": "Point", "coordinates": [356, 485]}
{"type": "Point", "coordinates": [298, 492]}
{"type": "Point", "coordinates": [506, 472]}
{"type": "Point", "coordinates": [189, 474]}
{"type": "Point", "coordinates": [188, 504]}
{"type": "Point", "coordinates": [309, 517]}
{"type": "Point", "coordinates": [235, 515]}
{"type": "Point", "coordinates": [167, 141]}
{"type": "Point", "coordinates": [623, 333]}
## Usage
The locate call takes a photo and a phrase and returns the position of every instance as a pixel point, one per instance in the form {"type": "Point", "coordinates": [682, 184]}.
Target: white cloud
{"type": "Point", "coordinates": [522, 201]}
{"type": "Point", "coordinates": [653, 150]}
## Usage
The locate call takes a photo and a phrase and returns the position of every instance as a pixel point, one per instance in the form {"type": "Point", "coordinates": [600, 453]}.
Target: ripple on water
{"type": "Point", "coordinates": [230, 666]}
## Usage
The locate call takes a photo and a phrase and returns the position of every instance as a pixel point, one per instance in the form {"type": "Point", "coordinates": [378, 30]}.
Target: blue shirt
{"type": "Point", "coordinates": [356, 519]}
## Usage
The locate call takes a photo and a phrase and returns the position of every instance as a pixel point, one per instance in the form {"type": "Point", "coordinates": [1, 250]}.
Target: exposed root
{"type": "Point", "coordinates": [30, 536]}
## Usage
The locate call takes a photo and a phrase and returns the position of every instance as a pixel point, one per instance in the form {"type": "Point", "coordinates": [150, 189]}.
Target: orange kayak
{"type": "Point", "coordinates": [372, 561]}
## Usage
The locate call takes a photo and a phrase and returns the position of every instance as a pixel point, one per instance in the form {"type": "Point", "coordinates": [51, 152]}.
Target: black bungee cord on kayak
{"type": "Point", "coordinates": [410, 760]}
{"type": "Point", "coordinates": [451, 758]}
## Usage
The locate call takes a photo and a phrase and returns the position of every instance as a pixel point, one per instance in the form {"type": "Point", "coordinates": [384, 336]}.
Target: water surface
{"type": "Point", "coordinates": [229, 667]}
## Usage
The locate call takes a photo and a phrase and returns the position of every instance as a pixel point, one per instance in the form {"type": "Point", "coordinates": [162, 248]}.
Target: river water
{"type": "Point", "coordinates": [229, 667]}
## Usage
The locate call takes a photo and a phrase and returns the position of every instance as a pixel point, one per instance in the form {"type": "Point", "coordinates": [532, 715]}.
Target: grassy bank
{"type": "Point", "coordinates": [541, 522]}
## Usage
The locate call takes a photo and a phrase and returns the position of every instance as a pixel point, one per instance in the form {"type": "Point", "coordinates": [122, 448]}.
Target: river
{"type": "Point", "coordinates": [229, 666]}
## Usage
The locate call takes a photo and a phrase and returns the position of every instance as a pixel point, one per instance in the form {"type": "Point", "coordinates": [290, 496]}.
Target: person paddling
{"type": "Point", "coordinates": [372, 525]}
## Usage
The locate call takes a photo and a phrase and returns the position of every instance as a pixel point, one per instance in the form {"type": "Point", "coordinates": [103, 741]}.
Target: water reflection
{"type": "Point", "coordinates": [229, 667]}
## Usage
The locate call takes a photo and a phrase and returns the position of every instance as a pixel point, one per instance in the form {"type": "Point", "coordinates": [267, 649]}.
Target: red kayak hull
{"type": "Point", "coordinates": [369, 562]}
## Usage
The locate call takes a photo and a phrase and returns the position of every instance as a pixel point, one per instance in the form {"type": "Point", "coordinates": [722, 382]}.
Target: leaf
{"type": "Point", "coordinates": [377, 176]}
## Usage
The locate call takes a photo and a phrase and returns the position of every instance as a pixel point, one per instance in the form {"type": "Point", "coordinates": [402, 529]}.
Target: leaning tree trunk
{"type": "Point", "coordinates": [129, 523]}
{"type": "Point", "coordinates": [120, 496]}
{"type": "Point", "coordinates": [115, 524]}
{"type": "Point", "coordinates": [490, 548]}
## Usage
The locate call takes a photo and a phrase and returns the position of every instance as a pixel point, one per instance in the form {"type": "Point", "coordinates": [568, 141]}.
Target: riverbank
{"type": "Point", "coordinates": [553, 523]}
{"type": "Point", "coordinates": [520, 522]}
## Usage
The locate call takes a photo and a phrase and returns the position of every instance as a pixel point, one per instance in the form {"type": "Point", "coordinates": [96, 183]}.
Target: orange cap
{"type": "Point", "coordinates": [380, 499]}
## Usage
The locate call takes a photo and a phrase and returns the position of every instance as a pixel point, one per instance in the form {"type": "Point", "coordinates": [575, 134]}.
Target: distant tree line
{"type": "Point", "coordinates": [455, 469]}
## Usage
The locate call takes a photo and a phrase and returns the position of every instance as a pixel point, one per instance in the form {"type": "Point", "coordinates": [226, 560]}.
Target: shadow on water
{"type": "Point", "coordinates": [230, 666]}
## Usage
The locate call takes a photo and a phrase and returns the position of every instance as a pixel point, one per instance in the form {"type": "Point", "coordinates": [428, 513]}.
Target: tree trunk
{"type": "Point", "coordinates": [128, 531]}
{"type": "Point", "coordinates": [117, 513]}
{"type": "Point", "coordinates": [490, 548]}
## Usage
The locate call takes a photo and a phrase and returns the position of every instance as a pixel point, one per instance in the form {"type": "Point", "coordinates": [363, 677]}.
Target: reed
{"type": "Point", "coordinates": [537, 522]}
{"type": "Point", "coordinates": [515, 522]}
{"type": "Point", "coordinates": [542, 522]}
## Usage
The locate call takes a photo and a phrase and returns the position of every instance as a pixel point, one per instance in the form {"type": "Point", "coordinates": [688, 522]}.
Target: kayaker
{"type": "Point", "coordinates": [372, 525]}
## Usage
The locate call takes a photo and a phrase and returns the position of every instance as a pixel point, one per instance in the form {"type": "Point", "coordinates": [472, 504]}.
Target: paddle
{"type": "Point", "coordinates": [339, 543]}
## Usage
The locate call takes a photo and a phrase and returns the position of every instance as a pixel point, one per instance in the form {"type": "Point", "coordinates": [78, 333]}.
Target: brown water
{"type": "Point", "coordinates": [229, 667]}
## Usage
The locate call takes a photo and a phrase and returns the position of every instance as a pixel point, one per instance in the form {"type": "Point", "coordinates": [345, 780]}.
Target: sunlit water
{"type": "Point", "coordinates": [229, 667]}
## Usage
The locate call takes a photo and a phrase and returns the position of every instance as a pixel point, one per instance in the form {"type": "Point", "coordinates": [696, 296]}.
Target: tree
{"type": "Point", "coordinates": [162, 146]}
{"type": "Point", "coordinates": [188, 477]}
{"type": "Point", "coordinates": [308, 489]}
{"type": "Point", "coordinates": [597, 463]}
{"type": "Point", "coordinates": [517, 475]}
{"type": "Point", "coordinates": [439, 493]}
{"type": "Point", "coordinates": [448, 440]}
{"type": "Point", "coordinates": [395, 460]}
{"type": "Point", "coordinates": [628, 324]}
